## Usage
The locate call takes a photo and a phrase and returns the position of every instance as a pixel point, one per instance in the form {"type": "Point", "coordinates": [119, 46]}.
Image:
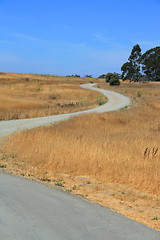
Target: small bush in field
{"type": "Point", "coordinates": [114, 81]}
{"type": "Point", "coordinates": [139, 93]}
{"type": "Point", "coordinates": [109, 76]}
{"type": "Point", "coordinates": [100, 100]}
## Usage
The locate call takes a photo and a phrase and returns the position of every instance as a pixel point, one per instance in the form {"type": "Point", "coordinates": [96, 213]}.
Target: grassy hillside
{"type": "Point", "coordinates": [26, 95]}
{"type": "Point", "coordinates": [110, 158]}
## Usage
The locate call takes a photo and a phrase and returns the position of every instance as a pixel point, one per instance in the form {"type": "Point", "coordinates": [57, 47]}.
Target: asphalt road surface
{"type": "Point", "coordinates": [33, 211]}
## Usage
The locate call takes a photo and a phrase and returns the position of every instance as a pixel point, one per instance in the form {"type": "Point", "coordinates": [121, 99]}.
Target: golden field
{"type": "Point", "coordinates": [33, 95]}
{"type": "Point", "coordinates": [110, 158]}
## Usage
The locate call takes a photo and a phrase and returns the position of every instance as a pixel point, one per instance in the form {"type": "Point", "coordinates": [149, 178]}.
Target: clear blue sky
{"type": "Point", "coordinates": [64, 37]}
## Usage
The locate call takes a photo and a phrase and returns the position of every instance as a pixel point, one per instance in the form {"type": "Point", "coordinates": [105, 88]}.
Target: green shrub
{"type": "Point", "coordinates": [102, 76]}
{"type": "Point", "coordinates": [109, 76]}
{"type": "Point", "coordinates": [139, 93]}
{"type": "Point", "coordinates": [114, 81]}
{"type": "Point", "coordinates": [59, 184]}
{"type": "Point", "coordinates": [3, 166]}
{"type": "Point", "coordinates": [101, 100]}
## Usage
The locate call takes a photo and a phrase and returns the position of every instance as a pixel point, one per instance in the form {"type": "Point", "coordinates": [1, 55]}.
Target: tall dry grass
{"type": "Point", "coordinates": [117, 153]}
{"type": "Point", "coordinates": [120, 147]}
{"type": "Point", "coordinates": [27, 96]}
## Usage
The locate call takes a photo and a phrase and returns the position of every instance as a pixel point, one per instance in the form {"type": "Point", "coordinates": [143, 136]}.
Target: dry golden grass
{"type": "Point", "coordinates": [118, 152]}
{"type": "Point", "coordinates": [27, 96]}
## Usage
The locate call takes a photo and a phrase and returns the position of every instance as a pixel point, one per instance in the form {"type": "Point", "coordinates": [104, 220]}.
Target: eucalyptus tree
{"type": "Point", "coordinates": [150, 61]}
{"type": "Point", "coordinates": [131, 69]}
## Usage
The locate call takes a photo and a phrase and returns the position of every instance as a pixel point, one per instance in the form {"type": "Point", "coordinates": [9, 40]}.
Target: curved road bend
{"type": "Point", "coordinates": [32, 211]}
{"type": "Point", "coordinates": [116, 101]}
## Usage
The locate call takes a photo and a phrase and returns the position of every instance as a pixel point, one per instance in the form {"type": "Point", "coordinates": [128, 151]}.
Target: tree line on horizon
{"type": "Point", "coordinates": [140, 67]}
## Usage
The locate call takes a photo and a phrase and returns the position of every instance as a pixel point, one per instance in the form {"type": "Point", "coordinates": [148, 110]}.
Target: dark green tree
{"type": "Point", "coordinates": [150, 61]}
{"type": "Point", "coordinates": [109, 76]}
{"type": "Point", "coordinates": [127, 71]}
{"type": "Point", "coordinates": [102, 76]}
{"type": "Point", "coordinates": [88, 76]}
{"type": "Point", "coordinates": [131, 70]}
{"type": "Point", "coordinates": [114, 81]}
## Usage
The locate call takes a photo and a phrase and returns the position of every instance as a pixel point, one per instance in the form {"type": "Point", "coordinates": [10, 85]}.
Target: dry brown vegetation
{"type": "Point", "coordinates": [110, 158]}
{"type": "Point", "coordinates": [27, 96]}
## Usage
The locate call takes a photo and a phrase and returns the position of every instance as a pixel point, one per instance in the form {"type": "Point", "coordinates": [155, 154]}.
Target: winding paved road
{"type": "Point", "coordinates": [116, 101]}
{"type": "Point", "coordinates": [32, 211]}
